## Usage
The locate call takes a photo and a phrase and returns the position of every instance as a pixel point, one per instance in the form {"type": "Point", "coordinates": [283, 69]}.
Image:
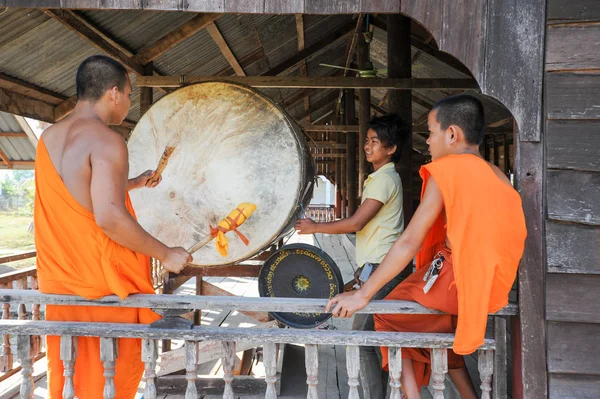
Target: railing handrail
{"type": "Point", "coordinates": [19, 256]}
{"type": "Point", "coordinates": [307, 305]}
{"type": "Point", "coordinates": [9, 277]}
{"type": "Point", "coordinates": [235, 334]}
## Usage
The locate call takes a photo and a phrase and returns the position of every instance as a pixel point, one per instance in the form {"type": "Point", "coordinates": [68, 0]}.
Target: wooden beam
{"type": "Point", "coordinates": [27, 130]}
{"type": "Point", "coordinates": [214, 32]}
{"type": "Point", "coordinates": [323, 102]}
{"type": "Point", "coordinates": [175, 37]}
{"type": "Point", "coordinates": [18, 104]}
{"type": "Point", "coordinates": [320, 82]}
{"type": "Point", "coordinates": [5, 159]}
{"type": "Point", "coordinates": [351, 144]}
{"type": "Point", "coordinates": [13, 134]}
{"type": "Point", "coordinates": [364, 111]}
{"type": "Point", "coordinates": [309, 51]}
{"type": "Point", "coordinates": [146, 97]}
{"type": "Point", "coordinates": [27, 89]}
{"type": "Point", "coordinates": [331, 128]}
{"type": "Point", "coordinates": [301, 43]}
{"type": "Point", "coordinates": [501, 122]}
{"type": "Point", "coordinates": [331, 155]}
{"type": "Point", "coordinates": [97, 38]}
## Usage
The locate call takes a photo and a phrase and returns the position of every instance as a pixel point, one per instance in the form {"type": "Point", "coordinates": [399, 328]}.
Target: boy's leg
{"type": "Point", "coordinates": [463, 382]}
{"type": "Point", "coordinates": [410, 388]}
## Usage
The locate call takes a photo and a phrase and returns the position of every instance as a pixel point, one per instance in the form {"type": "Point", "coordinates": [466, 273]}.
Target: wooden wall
{"type": "Point", "coordinates": [572, 96]}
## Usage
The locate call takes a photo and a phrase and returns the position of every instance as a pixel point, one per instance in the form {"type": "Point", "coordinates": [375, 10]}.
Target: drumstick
{"type": "Point", "coordinates": [162, 164]}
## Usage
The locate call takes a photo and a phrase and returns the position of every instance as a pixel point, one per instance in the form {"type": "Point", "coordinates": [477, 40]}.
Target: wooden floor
{"type": "Point", "coordinates": [333, 377]}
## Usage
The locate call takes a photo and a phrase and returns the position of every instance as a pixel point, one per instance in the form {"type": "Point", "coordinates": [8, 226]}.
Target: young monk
{"type": "Point", "coordinates": [378, 223]}
{"type": "Point", "coordinates": [471, 221]}
{"type": "Point", "coordinates": [87, 238]}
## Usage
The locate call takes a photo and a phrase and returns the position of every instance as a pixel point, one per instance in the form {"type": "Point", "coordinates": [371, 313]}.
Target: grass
{"type": "Point", "coordinates": [15, 238]}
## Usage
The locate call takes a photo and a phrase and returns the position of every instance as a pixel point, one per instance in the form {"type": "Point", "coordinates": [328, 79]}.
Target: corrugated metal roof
{"type": "Point", "coordinates": [16, 148]}
{"type": "Point", "coordinates": [17, 21]}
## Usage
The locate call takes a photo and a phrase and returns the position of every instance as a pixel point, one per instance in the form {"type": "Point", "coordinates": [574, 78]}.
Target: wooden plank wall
{"type": "Point", "coordinates": [572, 88]}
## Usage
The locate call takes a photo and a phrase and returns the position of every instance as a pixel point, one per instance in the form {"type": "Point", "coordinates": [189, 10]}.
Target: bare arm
{"type": "Point", "coordinates": [109, 184]}
{"type": "Point", "coordinates": [403, 250]}
{"type": "Point", "coordinates": [354, 223]}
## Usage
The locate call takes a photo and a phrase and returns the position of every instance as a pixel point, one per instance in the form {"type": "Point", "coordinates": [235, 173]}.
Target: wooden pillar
{"type": "Point", "coordinates": [399, 101]}
{"type": "Point", "coordinates": [351, 178]}
{"type": "Point", "coordinates": [344, 195]}
{"type": "Point", "coordinates": [146, 92]}
{"type": "Point", "coordinates": [364, 99]}
{"type": "Point", "coordinates": [338, 171]}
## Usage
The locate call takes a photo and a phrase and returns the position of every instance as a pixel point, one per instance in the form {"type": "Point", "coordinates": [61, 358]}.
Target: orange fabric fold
{"type": "Point", "coordinates": [485, 226]}
{"type": "Point", "coordinates": [75, 257]}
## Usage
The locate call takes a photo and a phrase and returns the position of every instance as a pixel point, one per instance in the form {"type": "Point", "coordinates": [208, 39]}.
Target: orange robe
{"type": "Point", "coordinates": [75, 257]}
{"type": "Point", "coordinates": [485, 225]}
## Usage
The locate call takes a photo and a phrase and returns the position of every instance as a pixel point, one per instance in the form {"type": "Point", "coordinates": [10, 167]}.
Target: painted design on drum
{"type": "Point", "coordinates": [284, 254]}
{"type": "Point", "coordinates": [233, 145]}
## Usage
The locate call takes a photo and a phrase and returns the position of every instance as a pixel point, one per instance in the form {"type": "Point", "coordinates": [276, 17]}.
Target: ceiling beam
{"type": "Point", "coordinates": [27, 130]}
{"type": "Point", "coordinates": [321, 82]}
{"type": "Point", "coordinates": [328, 99]}
{"type": "Point", "coordinates": [18, 104]}
{"type": "Point", "coordinates": [94, 36]}
{"type": "Point", "coordinates": [13, 134]}
{"type": "Point", "coordinates": [309, 51]}
{"type": "Point", "coordinates": [27, 89]}
{"type": "Point", "coordinates": [501, 122]}
{"type": "Point", "coordinates": [171, 39]}
{"type": "Point", "coordinates": [214, 32]}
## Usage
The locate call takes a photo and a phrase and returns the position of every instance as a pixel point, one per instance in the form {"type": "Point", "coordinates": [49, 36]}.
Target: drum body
{"type": "Point", "coordinates": [232, 145]}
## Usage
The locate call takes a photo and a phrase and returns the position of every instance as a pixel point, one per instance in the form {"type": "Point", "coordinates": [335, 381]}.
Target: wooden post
{"type": "Point", "coordinates": [439, 366]}
{"type": "Point", "coordinates": [395, 364]}
{"type": "Point", "coordinates": [146, 92]}
{"type": "Point", "coordinates": [198, 312]}
{"type": "Point", "coordinates": [344, 193]}
{"type": "Point", "coordinates": [228, 362]}
{"type": "Point", "coordinates": [311, 357]}
{"type": "Point", "coordinates": [496, 147]}
{"type": "Point", "coordinates": [364, 115]}
{"type": "Point", "coordinates": [353, 368]}
{"type": "Point", "coordinates": [506, 156]}
{"type": "Point", "coordinates": [6, 359]}
{"type": "Point", "coordinates": [500, 376]}
{"type": "Point", "coordinates": [68, 354]}
{"type": "Point", "coordinates": [149, 356]}
{"type": "Point", "coordinates": [108, 356]}
{"type": "Point", "coordinates": [351, 178]}
{"type": "Point", "coordinates": [270, 362]}
{"type": "Point", "coordinates": [191, 363]}
{"type": "Point", "coordinates": [485, 362]}
{"type": "Point", "coordinates": [25, 355]}
{"type": "Point", "coordinates": [400, 101]}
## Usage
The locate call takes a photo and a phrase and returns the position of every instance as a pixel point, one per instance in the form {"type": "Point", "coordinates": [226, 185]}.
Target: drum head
{"type": "Point", "coordinates": [232, 145]}
{"type": "Point", "coordinates": [300, 271]}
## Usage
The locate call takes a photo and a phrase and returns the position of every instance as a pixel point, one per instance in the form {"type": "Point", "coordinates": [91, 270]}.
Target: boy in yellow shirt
{"type": "Point", "coordinates": [378, 222]}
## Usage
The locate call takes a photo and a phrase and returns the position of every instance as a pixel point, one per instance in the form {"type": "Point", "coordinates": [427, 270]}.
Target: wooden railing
{"type": "Point", "coordinates": [490, 353]}
{"type": "Point", "coordinates": [321, 213]}
{"type": "Point", "coordinates": [19, 280]}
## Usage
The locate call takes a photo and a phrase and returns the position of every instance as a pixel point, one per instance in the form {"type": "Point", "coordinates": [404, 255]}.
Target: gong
{"type": "Point", "coordinates": [300, 271]}
{"type": "Point", "coordinates": [232, 145]}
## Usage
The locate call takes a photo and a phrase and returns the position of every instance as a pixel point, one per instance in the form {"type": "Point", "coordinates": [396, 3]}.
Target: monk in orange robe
{"type": "Point", "coordinates": [471, 221]}
{"type": "Point", "coordinates": [87, 238]}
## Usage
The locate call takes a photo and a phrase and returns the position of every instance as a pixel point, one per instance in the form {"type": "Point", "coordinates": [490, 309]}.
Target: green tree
{"type": "Point", "coordinates": [20, 175]}
{"type": "Point", "coordinates": [9, 187]}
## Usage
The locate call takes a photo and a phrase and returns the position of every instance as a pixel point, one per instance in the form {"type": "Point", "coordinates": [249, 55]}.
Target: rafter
{"type": "Point", "coordinates": [301, 43]}
{"type": "Point", "coordinates": [5, 159]}
{"type": "Point", "coordinates": [30, 90]}
{"type": "Point", "coordinates": [18, 104]}
{"type": "Point", "coordinates": [171, 39]}
{"type": "Point", "coordinates": [328, 99]}
{"type": "Point", "coordinates": [214, 32]}
{"type": "Point", "coordinates": [309, 51]}
{"type": "Point", "coordinates": [320, 82]}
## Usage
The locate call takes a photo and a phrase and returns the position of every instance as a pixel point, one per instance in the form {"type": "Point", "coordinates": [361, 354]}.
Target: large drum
{"type": "Point", "coordinates": [232, 145]}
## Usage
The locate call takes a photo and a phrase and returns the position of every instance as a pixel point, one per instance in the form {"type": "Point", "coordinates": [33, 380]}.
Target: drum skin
{"type": "Point", "coordinates": [232, 145]}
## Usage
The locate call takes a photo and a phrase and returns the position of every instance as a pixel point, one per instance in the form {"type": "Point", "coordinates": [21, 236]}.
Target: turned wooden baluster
{"type": "Point", "coordinates": [21, 284]}
{"type": "Point", "coordinates": [228, 362]}
{"type": "Point", "coordinates": [108, 355]}
{"type": "Point", "coordinates": [311, 357]}
{"type": "Point", "coordinates": [270, 362]}
{"type": "Point", "coordinates": [68, 354]}
{"type": "Point", "coordinates": [149, 356]}
{"type": "Point", "coordinates": [395, 365]}
{"type": "Point", "coordinates": [191, 363]}
{"type": "Point", "coordinates": [485, 363]}
{"type": "Point", "coordinates": [25, 355]}
{"type": "Point", "coordinates": [35, 315]}
{"type": "Point", "coordinates": [439, 366]}
{"type": "Point", "coordinates": [353, 367]}
{"type": "Point", "coordinates": [6, 358]}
